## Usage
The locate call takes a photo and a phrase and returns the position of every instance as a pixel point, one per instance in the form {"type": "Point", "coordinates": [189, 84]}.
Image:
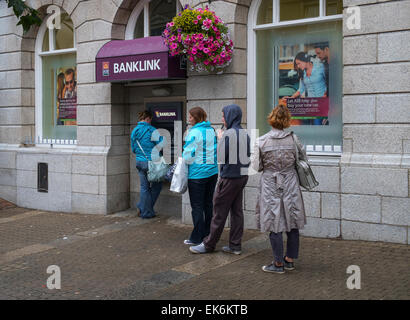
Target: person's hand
{"type": "Point", "coordinates": [219, 133]}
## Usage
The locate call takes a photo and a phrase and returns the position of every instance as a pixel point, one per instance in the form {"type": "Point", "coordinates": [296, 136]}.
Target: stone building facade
{"type": "Point", "coordinates": [364, 189]}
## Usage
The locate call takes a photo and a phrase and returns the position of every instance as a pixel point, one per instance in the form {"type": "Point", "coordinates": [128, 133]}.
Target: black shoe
{"type": "Point", "coordinates": [288, 265]}
{"type": "Point", "coordinates": [273, 268]}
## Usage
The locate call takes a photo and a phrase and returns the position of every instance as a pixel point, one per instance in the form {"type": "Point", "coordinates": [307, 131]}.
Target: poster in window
{"type": "Point", "coordinates": [304, 82]}
{"type": "Point", "coordinates": [67, 96]}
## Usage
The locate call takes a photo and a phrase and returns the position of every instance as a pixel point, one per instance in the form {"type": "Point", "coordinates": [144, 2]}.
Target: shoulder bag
{"type": "Point", "coordinates": [156, 169]}
{"type": "Point", "coordinates": [306, 177]}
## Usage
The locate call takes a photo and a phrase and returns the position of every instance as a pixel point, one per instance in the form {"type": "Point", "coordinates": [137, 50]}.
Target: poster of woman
{"type": "Point", "coordinates": [304, 83]}
{"type": "Point", "coordinates": [66, 96]}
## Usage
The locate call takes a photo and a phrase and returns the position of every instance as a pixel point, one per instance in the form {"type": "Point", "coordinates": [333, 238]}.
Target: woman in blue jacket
{"type": "Point", "coordinates": [200, 153]}
{"type": "Point", "coordinates": [148, 138]}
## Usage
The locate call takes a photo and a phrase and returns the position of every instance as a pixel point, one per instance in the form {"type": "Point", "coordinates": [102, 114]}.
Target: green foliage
{"type": "Point", "coordinates": [27, 16]}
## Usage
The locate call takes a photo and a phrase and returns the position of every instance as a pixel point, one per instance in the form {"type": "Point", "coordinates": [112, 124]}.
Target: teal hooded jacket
{"type": "Point", "coordinates": [148, 137]}
{"type": "Point", "coordinates": [200, 151]}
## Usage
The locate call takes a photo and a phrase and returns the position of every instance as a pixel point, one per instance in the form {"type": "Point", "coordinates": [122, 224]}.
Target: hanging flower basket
{"type": "Point", "coordinates": [202, 37]}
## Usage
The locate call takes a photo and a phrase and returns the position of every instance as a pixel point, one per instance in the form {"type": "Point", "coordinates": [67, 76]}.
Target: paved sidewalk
{"type": "Point", "coordinates": [124, 257]}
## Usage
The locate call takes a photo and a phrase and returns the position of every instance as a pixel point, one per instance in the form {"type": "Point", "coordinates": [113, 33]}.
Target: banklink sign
{"type": "Point", "coordinates": [137, 59]}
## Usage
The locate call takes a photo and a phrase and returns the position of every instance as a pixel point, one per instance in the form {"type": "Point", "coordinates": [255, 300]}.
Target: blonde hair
{"type": "Point", "coordinates": [280, 117]}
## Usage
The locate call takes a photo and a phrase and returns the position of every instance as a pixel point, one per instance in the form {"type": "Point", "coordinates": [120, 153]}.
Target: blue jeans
{"type": "Point", "coordinates": [201, 192]}
{"type": "Point", "coordinates": [149, 191]}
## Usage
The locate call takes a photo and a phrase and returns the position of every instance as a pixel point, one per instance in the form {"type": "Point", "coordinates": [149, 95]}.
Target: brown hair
{"type": "Point", "coordinates": [198, 114]}
{"type": "Point", "coordinates": [144, 115]}
{"type": "Point", "coordinates": [280, 117]}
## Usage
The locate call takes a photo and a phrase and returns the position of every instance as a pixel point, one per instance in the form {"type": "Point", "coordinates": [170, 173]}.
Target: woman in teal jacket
{"type": "Point", "coordinates": [148, 138]}
{"type": "Point", "coordinates": [200, 155]}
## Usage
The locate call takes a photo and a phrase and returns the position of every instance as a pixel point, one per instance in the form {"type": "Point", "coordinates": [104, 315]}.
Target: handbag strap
{"type": "Point", "coordinates": [296, 147]}
{"type": "Point", "coordinates": [142, 150]}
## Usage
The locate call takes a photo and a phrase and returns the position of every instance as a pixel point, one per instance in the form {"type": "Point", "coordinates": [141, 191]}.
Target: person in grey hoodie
{"type": "Point", "coordinates": [234, 159]}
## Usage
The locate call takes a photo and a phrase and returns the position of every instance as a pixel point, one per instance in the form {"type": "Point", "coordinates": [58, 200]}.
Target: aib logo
{"type": "Point", "coordinates": [106, 69]}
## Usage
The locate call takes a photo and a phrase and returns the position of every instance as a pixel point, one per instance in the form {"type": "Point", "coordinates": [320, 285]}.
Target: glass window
{"type": "Point", "coordinates": [160, 12]}
{"type": "Point", "coordinates": [46, 45]}
{"type": "Point", "coordinates": [334, 7]}
{"type": "Point", "coordinates": [298, 9]}
{"type": "Point", "coordinates": [58, 89]}
{"type": "Point", "coordinates": [59, 96]}
{"type": "Point", "coordinates": [301, 66]}
{"type": "Point", "coordinates": [139, 27]}
{"type": "Point", "coordinates": [265, 12]}
{"type": "Point", "coordinates": [65, 35]}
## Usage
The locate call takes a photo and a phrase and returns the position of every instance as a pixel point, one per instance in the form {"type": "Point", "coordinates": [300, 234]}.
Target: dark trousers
{"type": "Point", "coordinates": [228, 198]}
{"type": "Point", "coordinates": [201, 192]}
{"type": "Point", "coordinates": [292, 245]}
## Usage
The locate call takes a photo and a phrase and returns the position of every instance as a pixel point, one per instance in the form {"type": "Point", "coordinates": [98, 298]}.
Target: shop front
{"type": "Point", "coordinates": [70, 98]}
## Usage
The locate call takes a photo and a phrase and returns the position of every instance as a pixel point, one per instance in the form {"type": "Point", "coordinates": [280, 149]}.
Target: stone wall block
{"type": "Point", "coordinates": [85, 184]}
{"type": "Point", "coordinates": [381, 17]}
{"type": "Point", "coordinates": [312, 204]}
{"type": "Point", "coordinates": [373, 232]}
{"type": "Point", "coordinates": [361, 208]}
{"type": "Point", "coordinates": [396, 211]}
{"type": "Point", "coordinates": [321, 228]}
{"type": "Point", "coordinates": [400, 41]}
{"type": "Point", "coordinates": [328, 178]}
{"type": "Point", "coordinates": [92, 165]}
{"type": "Point", "coordinates": [379, 78]}
{"type": "Point", "coordinates": [393, 108]}
{"type": "Point", "coordinates": [359, 109]}
{"type": "Point", "coordinates": [330, 205]}
{"type": "Point", "coordinates": [360, 50]}
{"type": "Point", "coordinates": [375, 181]}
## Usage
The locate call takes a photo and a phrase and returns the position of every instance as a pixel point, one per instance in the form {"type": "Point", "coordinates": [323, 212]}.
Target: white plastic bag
{"type": "Point", "coordinates": [179, 183]}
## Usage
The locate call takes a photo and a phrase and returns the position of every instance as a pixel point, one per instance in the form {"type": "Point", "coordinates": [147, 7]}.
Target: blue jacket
{"type": "Point", "coordinates": [200, 151]}
{"type": "Point", "coordinates": [148, 137]}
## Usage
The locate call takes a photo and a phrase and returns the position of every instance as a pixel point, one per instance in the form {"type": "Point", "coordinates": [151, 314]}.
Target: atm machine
{"type": "Point", "coordinates": [164, 116]}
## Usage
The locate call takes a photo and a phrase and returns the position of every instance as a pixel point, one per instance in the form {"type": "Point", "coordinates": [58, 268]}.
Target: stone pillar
{"type": "Point", "coordinates": [102, 118]}
{"type": "Point", "coordinates": [16, 96]}
{"type": "Point", "coordinates": [375, 165]}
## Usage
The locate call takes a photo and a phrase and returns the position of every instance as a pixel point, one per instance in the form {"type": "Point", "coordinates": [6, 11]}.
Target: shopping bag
{"type": "Point", "coordinates": [179, 183]}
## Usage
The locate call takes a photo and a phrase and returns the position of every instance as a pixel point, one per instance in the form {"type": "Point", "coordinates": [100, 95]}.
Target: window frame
{"type": "Point", "coordinates": [38, 70]}
{"type": "Point", "coordinates": [252, 54]}
{"type": "Point", "coordinates": [142, 8]}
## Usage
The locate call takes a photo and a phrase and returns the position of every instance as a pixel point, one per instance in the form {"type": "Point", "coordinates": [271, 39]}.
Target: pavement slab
{"type": "Point", "coordinates": [124, 257]}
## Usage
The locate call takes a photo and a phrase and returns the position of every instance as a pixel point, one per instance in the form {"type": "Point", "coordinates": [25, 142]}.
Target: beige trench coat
{"type": "Point", "coordinates": [279, 204]}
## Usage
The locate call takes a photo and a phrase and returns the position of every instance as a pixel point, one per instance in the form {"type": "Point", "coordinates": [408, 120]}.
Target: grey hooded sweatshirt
{"type": "Point", "coordinates": [234, 146]}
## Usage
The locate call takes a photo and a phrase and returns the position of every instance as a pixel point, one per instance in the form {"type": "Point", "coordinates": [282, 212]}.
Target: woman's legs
{"type": "Point", "coordinates": [276, 241]}
{"type": "Point", "coordinates": [196, 190]}
{"type": "Point", "coordinates": [208, 203]}
{"type": "Point", "coordinates": [148, 192]}
{"type": "Point", "coordinates": [292, 246]}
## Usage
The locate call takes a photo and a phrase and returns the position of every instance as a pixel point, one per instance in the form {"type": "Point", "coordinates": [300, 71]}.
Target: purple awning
{"type": "Point", "coordinates": [137, 59]}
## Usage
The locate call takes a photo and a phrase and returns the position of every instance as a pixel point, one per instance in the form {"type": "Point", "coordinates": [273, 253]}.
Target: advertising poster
{"type": "Point", "coordinates": [304, 82]}
{"type": "Point", "coordinates": [67, 96]}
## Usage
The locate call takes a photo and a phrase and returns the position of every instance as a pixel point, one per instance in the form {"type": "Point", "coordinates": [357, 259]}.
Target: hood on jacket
{"type": "Point", "coordinates": [233, 116]}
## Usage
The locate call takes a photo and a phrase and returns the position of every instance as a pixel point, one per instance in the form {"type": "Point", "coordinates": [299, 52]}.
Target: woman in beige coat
{"type": "Point", "coordinates": [279, 205]}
